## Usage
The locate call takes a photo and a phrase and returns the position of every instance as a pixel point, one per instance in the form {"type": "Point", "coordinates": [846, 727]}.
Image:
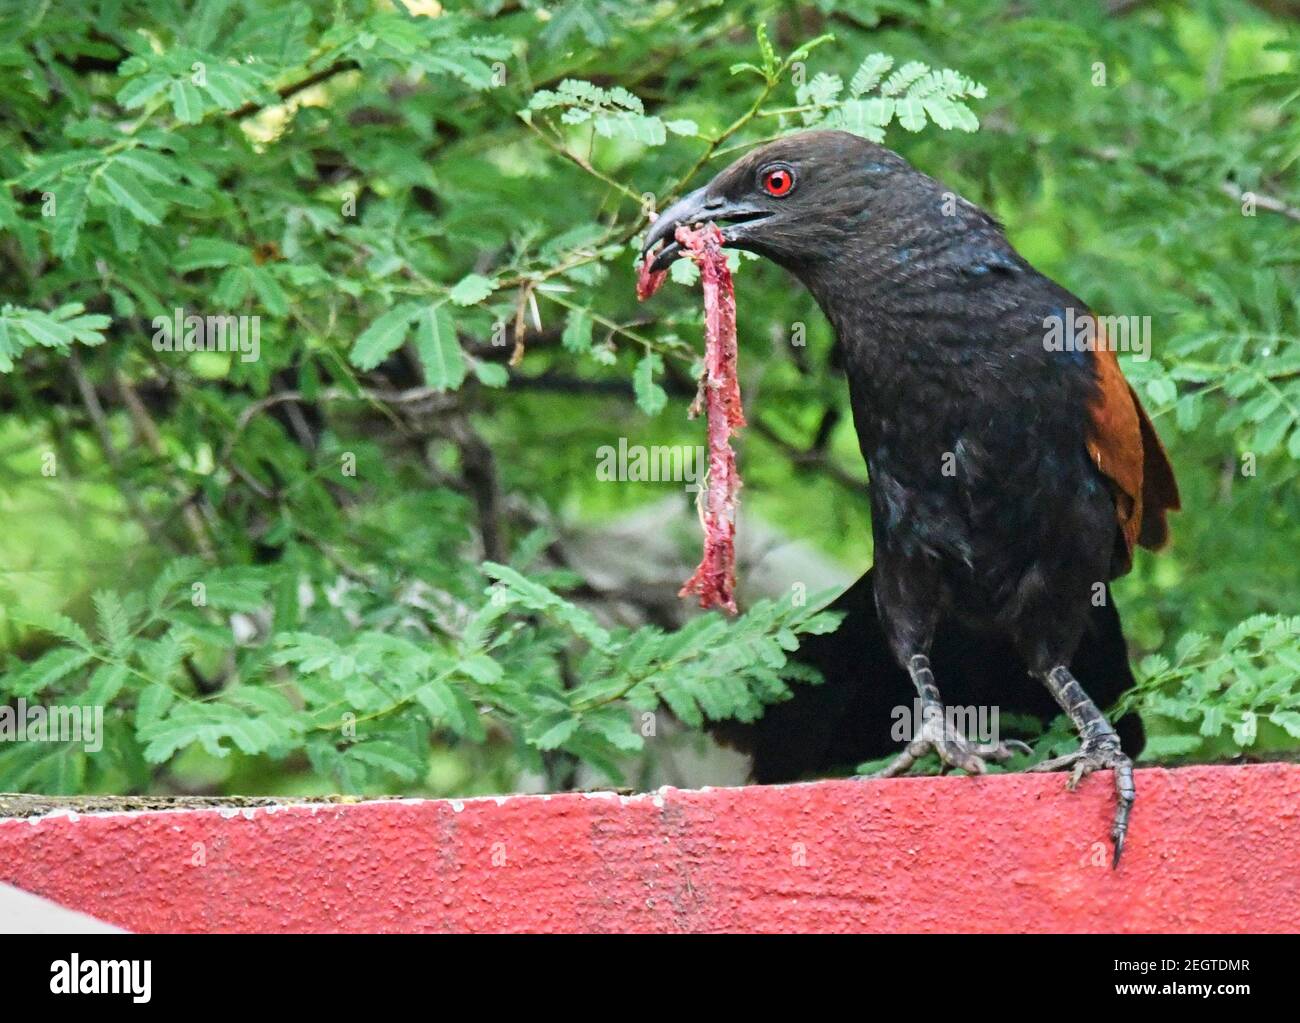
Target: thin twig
{"type": "Point", "coordinates": [580, 161]}
{"type": "Point", "coordinates": [1265, 202]}
{"type": "Point", "coordinates": [286, 92]}
{"type": "Point", "coordinates": [374, 396]}
{"type": "Point", "coordinates": [99, 420]}
{"type": "Point", "coordinates": [148, 431]}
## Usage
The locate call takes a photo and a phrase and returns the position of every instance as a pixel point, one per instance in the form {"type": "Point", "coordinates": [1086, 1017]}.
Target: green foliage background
{"type": "Point", "coordinates": [330, 568]}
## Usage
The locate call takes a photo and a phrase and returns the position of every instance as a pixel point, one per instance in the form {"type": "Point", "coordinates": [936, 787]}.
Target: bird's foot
{"type": "Point", "coordinates": [1101, 754]}
{"type": "Point", "coordinates": [953, 749]}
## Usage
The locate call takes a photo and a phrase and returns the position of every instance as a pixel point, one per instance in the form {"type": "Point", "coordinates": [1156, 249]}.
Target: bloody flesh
{"type": "Point", "coordinates": [714, 581]}
{"type": "Point", "coordinates": [647, 280]}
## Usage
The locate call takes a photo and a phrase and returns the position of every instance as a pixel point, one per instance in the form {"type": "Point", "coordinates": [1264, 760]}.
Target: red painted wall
{"type": "Point", "coordinates": [1210, 849]}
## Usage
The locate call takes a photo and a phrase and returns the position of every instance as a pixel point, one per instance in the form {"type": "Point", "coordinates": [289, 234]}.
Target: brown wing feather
{"type": "Point", "coordinates": [1125, 448]}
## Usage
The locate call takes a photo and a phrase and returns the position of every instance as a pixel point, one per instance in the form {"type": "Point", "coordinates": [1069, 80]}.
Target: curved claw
{"type": "Point", "coordinates": [1085, 761]}
{"type": "Point", "coordinates": [959, 753]}
{"type": "Point", "coordinates": [954, 752]}
{"type": "Point", "coordinates": [1055, 764]}
{"type": "Point", "coordinates": [902, 763]}
{"type": "Point", "coordinates": [1001, 752]}
{"type": "Point", "coordinates": [1125, 795]}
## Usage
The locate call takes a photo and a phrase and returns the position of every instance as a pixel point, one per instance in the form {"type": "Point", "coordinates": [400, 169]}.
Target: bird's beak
{"type": "Point", "coordinates": [697, 208]}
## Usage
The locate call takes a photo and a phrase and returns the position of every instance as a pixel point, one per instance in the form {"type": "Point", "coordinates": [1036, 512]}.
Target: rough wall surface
{"type": "Point", "coordinates": [1210, 849]}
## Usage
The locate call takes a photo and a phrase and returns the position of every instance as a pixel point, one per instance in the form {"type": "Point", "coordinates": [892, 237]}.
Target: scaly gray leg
{"type": "Point", "coordinates": [1099, 750]}
{"type": "Point", "coordinates": [953, 748]}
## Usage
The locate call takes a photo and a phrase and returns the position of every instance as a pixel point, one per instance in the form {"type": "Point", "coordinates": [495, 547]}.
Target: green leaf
{"type": "Point", "coordinates": [766, 52]}
{"type": "Point", "coordinates": [552, 730]}
{"type": "Point", "coordinates": [105, 684]}
{"type": "Point", "coordinates": [447, 704]}
{"type": "Point", "coordinates": [491, 374]}
{"type": "Point", "coordinates": [577, 332]}
{"type": "Point", "coordinates": [47, 669]}
{"type": "Point", "coordinates": [383, 337]}
{"type": "Point", "coordinates": [70, 217]}
{"type": "Point", "coordinates": [910, 113]}
{"type": "Point", "coordinates": [211, 253]}
{"type": "Point", "coordinates": [537, 597]}
{"type": "Point", "coordinates": [903, 78]}
{"type": "Point", "coordinates": [148, 166]}
{"type": "Point", "coordinates": [1289, 720]}
{"type": "Point", "coordinates": [138, 91]}
{"type": "Point", "coordinates": [187, 102]}
{"type": "Point", "coordinates": [234, 589]}
{"type": "Point", "coordinates": [389, 757]}
{"type": "Point", "coordinates": [56, 624]}
{"type": "Point", "coordinates": [869, 74]}
{"type": "Point", "coordinates": [1162, 391]}
{"type": "Point", "coordinates": [153, 703]}
{"type": "Point", "coordinates": [439, 349]}
{"type": "Point", "coordinates": [472, 289]}
{"type": "Point", "coordinates": [650, 397]}
{"type": "Point", "coordinates": [114, 622]}
{"type": "Point", "coordinates": [268, 291]}
{"type": "Point", "coordinates": [164, 738]}
{"type": "Point", "coordinates": [1245, 730]}
{"type": "Point", "coordinates": [126, 189]}
{"type": "Point", "coordinates": [179, 570]}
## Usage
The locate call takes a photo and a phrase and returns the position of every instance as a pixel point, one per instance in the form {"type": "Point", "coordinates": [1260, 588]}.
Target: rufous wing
{"type": "Point", "coordinates": [1124, 446]}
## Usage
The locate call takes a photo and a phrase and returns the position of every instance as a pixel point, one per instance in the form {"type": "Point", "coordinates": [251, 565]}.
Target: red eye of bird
{"type": "Point", "coordinates": [778, 182]}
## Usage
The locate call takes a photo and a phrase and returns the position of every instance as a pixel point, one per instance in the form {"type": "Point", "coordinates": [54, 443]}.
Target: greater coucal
{"type": "Point", "coordinates": [1010, 474]}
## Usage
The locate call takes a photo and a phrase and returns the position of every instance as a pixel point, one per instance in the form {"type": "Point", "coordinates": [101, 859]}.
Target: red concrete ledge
{"type": "Point", "coordinates": [1210, 849]}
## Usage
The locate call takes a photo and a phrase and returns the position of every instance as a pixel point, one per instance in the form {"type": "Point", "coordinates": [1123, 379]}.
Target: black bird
{"type": "Point", "coordinates": [1012, 469]}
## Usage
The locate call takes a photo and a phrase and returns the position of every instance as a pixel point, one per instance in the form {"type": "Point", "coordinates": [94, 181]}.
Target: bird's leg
{"type": "Point", "coordinates": [1099, 750]}
{"type": "Point", "coordinates": [952, 748]}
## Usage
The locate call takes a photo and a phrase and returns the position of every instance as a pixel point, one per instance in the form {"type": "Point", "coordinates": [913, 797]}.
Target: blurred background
{"type": "Point", "coordinates": [371, 548]}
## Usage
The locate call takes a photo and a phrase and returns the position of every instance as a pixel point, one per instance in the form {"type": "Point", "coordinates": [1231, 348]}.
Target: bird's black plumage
{"type": "Point", "coordinates": [1009, 478]}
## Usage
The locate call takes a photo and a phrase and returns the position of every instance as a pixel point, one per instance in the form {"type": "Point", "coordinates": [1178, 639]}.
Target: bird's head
{"type": "Point", "coordinates": [803, 201]}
